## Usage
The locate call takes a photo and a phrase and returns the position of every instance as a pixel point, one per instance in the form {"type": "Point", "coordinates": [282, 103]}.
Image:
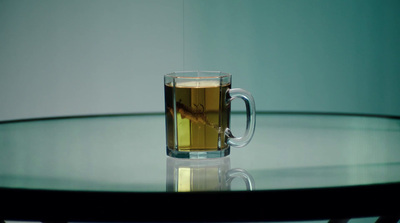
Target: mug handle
{"type": "Point", "coordinates": [243, 174]}
{"type": "Point", "coordinates": [250, 113]}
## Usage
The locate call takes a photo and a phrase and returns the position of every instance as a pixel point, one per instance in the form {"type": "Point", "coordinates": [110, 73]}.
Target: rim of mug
{"type": "Point", "coordinates": [175, 74]}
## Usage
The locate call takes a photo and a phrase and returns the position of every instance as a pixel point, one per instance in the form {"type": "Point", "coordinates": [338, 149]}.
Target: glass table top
{"type": "Point", "coordinates": [127, 153]}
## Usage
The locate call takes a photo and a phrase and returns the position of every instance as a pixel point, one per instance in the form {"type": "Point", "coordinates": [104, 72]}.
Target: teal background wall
{"type": "Point", "coordinates": [95, 57]}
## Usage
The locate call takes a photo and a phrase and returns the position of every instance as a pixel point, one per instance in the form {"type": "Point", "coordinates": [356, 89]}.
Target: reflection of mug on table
{"type": "Point", "coordinates": [204, 175]}
{"type": "Point", "coordinates": [197, 114]}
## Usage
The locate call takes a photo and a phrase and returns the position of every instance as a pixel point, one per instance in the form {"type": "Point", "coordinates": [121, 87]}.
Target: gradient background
{"type": "Point", "coordinates": [77, 57]}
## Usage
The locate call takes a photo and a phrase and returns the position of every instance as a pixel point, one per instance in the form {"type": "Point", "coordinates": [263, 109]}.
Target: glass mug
{"type": "Point", "coordinates": [185, 175]}
{"type": "Point", "coordinates": [197, 114]}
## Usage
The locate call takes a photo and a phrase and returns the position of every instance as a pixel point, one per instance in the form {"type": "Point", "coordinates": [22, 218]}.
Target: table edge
{"type": "Point", "coordinates": [271, 205]}
{"type": "Point", "coordinates": [233, 112]}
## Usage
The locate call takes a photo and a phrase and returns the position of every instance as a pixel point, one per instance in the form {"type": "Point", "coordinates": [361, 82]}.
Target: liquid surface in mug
{"type": "Point", "coordinates": [202, 116]}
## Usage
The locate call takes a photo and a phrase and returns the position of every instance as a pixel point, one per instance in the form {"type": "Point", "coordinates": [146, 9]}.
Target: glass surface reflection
{"type": "Point", "coordinates": [185, 175]}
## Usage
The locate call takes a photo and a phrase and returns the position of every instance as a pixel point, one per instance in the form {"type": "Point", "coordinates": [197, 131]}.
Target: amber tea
{"type": "Point", "coordinates": [201, 116]}
{"type": "Point", "coordinates": [197, 114]}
